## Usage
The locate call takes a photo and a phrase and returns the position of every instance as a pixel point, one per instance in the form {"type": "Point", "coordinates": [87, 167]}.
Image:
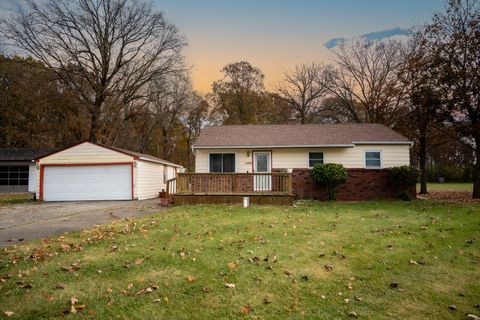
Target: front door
{"type": "Point", "coordinates": [262, 180]}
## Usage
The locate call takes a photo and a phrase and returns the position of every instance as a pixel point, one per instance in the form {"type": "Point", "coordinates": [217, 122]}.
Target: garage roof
{"type": "Point", "coordinates": [136, 155]}
{"type": "Point", "coordinates": [142, 156]}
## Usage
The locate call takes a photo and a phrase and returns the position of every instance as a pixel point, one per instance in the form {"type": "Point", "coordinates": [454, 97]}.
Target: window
{"type": "Point", "coordinates": [13, 175]}
{"type": "Point", "coordinates": [373, 159]}
{"type": "Point", "coordinates": [222, 162]}
{"type": "Point", "coordinates": [315, 158]}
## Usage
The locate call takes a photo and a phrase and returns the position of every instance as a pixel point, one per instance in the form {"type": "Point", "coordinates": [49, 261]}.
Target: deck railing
{"type": "Point", "coordinates": [172, 186]}
{"type": "Point", "coordinates": [231, 183]}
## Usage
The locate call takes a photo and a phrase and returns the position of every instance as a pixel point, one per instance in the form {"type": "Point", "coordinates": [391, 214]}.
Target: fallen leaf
{"type": "Point", "coordinates": [473, 317]}
{"type": "Point", "coordinates": [452, 307]}
{"type": "Point", "coordinates": [288, 272]}
{"type": "Point", "coordinates": [245, 309]}
{"type": "Point", "coordinates": [232, 265]}
{"type": "Point", "coordinates": [394, 285]}
{"type": "Point", "coordinates": [352, 314]}
{"type": "Point", "coordinates": [191, 279]}
{"type": "Point", "coordinates": [328, 267]}
{"type": "Point", "coordinates": [59, 286]}
{"type": "Point", "coordinates": [9, 313]}
{"type": "Point", "coordinates": [230, 285]}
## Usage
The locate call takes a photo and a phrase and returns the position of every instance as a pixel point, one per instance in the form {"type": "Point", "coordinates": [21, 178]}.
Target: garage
{"type": "Point", "coordinates": [99, 182]}
{"type": "Point", "coordinates": [89, 171]}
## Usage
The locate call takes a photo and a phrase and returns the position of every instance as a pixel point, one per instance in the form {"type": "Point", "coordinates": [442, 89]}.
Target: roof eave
{"type": "Point", "coordinates": [275, 146]}
{"type": "Point", "coordinates": [385, 142]}
{"type": "Point", "coordinates": [161, 162]}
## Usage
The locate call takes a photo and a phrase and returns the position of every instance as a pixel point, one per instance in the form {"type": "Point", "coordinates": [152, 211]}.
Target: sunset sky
{"type": "Point", "coordinates": [276, 35]}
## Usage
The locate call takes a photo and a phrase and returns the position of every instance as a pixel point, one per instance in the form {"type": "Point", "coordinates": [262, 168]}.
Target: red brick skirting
{"type": "Point", "coordinates": [362, 184]}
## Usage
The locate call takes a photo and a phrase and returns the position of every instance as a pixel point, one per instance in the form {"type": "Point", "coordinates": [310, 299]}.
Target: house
{"type": "Point", "coordinates": [366, 150]}
{"type": "Point", "coordinates": [17, 168]}
{"type": "Point", "coordinates": [92, 171]}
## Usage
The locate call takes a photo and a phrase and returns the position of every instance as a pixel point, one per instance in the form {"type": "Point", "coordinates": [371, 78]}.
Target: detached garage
{"type": "Point", "coordinates": [90, 171]}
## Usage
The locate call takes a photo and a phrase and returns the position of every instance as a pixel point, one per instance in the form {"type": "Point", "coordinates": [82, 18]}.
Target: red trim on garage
{"type": "Point", "coordinates": [42, 171]}
{"type": "Point", "coordinates": [133, 185]}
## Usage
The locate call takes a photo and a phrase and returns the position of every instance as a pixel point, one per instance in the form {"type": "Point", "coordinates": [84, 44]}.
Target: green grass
{"type": "Point", "coordinates": [12, 198]}
{"type": "Point", "coordinates": [431, 250]}
{"type": "Point", "coordinates": [451, 186]}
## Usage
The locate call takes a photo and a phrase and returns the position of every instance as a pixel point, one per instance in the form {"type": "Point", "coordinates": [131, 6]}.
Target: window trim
{"type": "Point", "coordinates": [308, 158]}
{"type": "Point", "coordinates": [365, 159]}
{"type": "Point", "coordinates": [234, 164]}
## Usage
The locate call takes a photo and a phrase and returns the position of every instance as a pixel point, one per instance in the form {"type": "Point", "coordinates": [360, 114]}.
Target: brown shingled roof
{"type": "Point", "coordinates": [297, 135]}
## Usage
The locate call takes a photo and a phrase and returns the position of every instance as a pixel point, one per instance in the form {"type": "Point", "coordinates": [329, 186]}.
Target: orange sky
{"type": "Point", "coordinates": [277, 35]}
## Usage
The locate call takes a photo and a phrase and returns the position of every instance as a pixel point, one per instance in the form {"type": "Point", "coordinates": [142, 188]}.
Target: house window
{"type": "Point", "coordinates": [315, 158]}
{"type": "Point", "coordinates": [13, 175]}
{"type": "Point", "coordinates": [373, 159]}
{"type": "Point", "coordinates": [222, 162]}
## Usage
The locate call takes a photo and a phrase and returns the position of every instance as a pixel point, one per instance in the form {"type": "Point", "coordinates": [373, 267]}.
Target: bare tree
{"type": "Point", "coordinates": [108, 51]}
{"type": "Point", "coordinates": [304, 89]}
{"type": "Point", "coordinates": [423, 103]}
{"type": "Point", "coordinates": [194, 119]}
{"type": "Point", "coordinates": [366, 76]}
{"type": "Point", "coordinates": [454, 36]}
{"type": "Point", "coordinates": [168, 100]}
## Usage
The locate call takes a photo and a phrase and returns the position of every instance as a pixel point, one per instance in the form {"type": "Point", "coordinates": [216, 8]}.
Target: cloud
{"type": "Point", "coordinates": [372, 36]}
{"type": "Point", "coordinates": [333, 42]}
{"type": "Point", "coordinates": [379, 35]}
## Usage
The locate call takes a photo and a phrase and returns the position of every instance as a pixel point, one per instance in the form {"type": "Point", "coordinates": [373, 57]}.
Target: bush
{"type": "Point", "coordinates": [405, 177]}
{"type": "Point", "coordinates": [329, 175]}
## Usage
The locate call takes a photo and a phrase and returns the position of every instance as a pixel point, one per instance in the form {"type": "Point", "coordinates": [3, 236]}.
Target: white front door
{"type": "Point", "coordinates": [262, 164]}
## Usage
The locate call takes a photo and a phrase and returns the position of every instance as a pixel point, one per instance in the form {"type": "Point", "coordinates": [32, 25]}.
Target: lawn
{"type": "Point", "coordinates": [17, 197]}
{"type": "Point", "coordinates": [453, 186]}
{"type": "Point", "coordinates": [371, 260]}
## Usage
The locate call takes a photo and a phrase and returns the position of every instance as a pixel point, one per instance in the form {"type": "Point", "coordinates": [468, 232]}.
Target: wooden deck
{"type": "Point", "coordinates": [215, 188]}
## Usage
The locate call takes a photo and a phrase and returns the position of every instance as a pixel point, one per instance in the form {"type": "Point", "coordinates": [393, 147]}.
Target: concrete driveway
{"type": "Point", "coordinates": [22, 222]}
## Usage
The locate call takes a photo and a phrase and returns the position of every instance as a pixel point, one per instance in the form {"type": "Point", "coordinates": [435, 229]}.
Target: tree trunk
{"type": "Point", "coordinates": [165, 149]}
{"type": "Point", "coordinates": [476, 171]}
{"type": "Point", "coordinates": [423, 160]}
{"type": "Point", "coordinates": [94, 126]}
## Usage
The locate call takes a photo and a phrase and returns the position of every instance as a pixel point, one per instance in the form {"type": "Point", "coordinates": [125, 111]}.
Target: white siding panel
{"type": "Point", "coordinates": [32, 177]}
{"type": "Point", "coordinates": [392, 156]}
{"type": "Point", "coordinates": [86, 153]}
{"type": "Point", "coordinates": [149, 179]}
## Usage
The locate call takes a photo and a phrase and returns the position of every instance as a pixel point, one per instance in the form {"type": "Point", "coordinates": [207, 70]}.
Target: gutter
{"type": "Point", "coordinates": [161, 162]}
{"type": "Point", "coordinates": [277, 146]}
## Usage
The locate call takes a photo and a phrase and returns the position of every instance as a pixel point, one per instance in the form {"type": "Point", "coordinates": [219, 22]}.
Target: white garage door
{"type": "Point", "coordinates": [71, 183]}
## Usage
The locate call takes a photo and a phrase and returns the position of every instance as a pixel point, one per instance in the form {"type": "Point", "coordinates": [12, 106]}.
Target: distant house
{"type": "Point", "coordinates": [366, 150]}
{"type": "Point", "coordinates": [17, 168]}
{"type": "Point", "coordinates": [85, 171]}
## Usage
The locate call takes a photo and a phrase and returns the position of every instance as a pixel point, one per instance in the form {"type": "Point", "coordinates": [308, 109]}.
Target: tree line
{"type": "Point", "coordinates": [113, 71]}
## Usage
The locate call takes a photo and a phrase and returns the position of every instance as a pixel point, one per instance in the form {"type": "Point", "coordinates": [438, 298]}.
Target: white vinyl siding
{"type": "Point", "coordinates": [149, 179]}
{"type": "Point", "coordinates": [290, 158]}
{"type": "Point", "coordinates": [32, 177]}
